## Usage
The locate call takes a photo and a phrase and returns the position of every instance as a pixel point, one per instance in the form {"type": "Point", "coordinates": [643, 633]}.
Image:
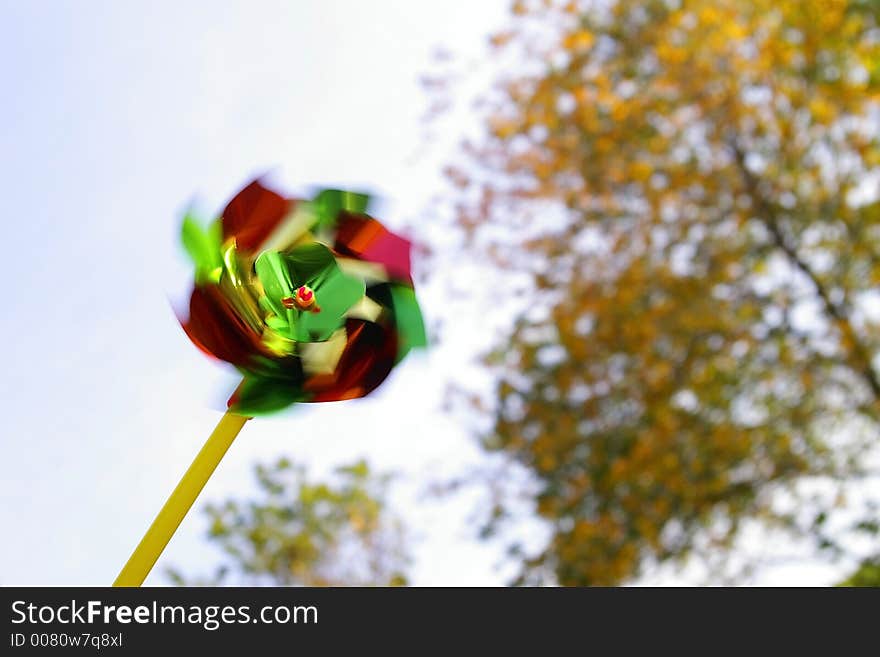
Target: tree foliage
{"type": "Point", "coordinates": [304, 533]}
{"type": "Point", "coordinates": [867, 574]}
{"type": "Point", "coordinates": [693, 187]}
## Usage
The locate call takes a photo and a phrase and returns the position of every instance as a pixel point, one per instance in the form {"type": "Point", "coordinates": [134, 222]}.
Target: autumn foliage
{"type": "Point", "coordinates": [300, 532]}
{"type": "Point", "coordinates": [693, 187]}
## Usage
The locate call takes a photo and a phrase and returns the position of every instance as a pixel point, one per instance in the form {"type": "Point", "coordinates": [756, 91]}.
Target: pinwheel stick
{"type": "Point", "coordinates": [182, 498]}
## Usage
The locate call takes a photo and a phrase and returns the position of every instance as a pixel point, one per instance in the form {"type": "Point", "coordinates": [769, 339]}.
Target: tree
{"type": "Point", "coordinates": [693, 187]}
{"type": "Point", "coordinates": [297, 532]}
{"type": "Point", "coordinates": [867, 574]}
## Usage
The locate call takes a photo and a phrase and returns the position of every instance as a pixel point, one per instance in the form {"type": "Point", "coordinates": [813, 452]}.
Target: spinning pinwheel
{"type": "Point", "coordinates": [311, 301]}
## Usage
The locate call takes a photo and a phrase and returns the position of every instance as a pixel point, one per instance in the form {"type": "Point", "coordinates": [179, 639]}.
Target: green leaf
{"type": "Point", "coordinates": [359, 469]}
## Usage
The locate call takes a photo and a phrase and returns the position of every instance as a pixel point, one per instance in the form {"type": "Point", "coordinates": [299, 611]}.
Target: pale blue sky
{"type": "Point", "coordinates": [116, 115]}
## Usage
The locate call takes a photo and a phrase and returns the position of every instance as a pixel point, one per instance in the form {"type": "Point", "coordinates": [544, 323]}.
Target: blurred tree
{"type": "Point", "coordinates": [296, 532]}
{"type": "Point", "coordinates": [867, 574]}
{"type": "Point", "coordinates": [693, 187]}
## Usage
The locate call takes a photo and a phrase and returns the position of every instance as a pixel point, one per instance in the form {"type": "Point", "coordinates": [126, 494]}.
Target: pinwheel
{"type": "Point", "coordinates": [310, 300]}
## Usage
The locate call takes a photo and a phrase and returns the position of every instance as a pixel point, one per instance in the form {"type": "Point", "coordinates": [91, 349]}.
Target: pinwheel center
{"type": "Point", "coordinates": [302, 299]}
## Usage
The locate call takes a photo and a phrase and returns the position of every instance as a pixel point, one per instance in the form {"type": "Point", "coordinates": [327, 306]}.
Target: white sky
{"type": "Point", "coordinates": [115, 116]}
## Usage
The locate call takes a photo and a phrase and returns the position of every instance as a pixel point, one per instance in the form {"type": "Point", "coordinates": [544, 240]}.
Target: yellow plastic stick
{"type": "Point", "coordinates": [166, 523]}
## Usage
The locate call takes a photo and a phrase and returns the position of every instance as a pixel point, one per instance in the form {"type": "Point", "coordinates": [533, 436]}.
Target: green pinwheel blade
{"type": "Point", "coordinates": [329, 202]}
{"type": "Point", "coordinates": [307, 264]}
{"type": "Point", "coordinates": [204, 246]}
{"type": "Point", "coordinates": [278, 324]}
{"type": "Point", "coordinates": [315, 266]}
{"type": "Point", "coordinates": [335, 293]}
{"type": "Point", "coordinates": [410, 326]}
{"type": "Point", "coordinates": [273, 272]}
{"type": "Point", "coordinates": [264, 395]}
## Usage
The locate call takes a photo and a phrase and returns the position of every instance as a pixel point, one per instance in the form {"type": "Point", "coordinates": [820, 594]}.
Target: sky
{"type": "Point", "coordinates": [117, 117]}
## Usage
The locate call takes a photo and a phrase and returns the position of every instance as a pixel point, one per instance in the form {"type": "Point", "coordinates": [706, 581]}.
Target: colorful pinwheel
{"type": "Point", "coordinates": [311, 301]}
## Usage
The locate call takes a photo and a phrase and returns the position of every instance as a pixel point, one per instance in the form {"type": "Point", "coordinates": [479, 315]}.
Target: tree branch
{"type": "Point", "coordinates": [860, 359]}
